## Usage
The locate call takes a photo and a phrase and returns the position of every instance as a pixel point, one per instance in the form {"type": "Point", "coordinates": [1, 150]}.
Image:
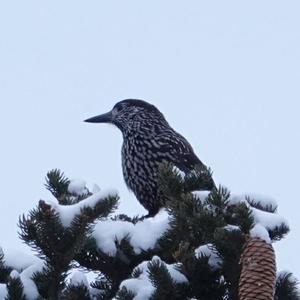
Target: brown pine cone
{"type": "Point", "coordinates": [258, 275]}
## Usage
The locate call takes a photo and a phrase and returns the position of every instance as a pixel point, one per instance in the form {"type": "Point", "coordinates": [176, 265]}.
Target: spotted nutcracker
{"type": "Point", "coordinates": [148, 141]}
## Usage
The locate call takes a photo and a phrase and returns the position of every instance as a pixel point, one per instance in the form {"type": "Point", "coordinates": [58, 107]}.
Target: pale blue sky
{"type": "Point", "coordinates": [225, 74]}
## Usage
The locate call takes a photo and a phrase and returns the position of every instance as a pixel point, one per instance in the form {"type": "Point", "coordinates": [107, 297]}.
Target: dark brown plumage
{"type": "Point", "coordinates": [148, 141]}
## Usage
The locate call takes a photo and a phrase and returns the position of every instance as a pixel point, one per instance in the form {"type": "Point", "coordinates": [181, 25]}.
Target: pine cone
{"type": "Point", "coordinates": [258, 275]}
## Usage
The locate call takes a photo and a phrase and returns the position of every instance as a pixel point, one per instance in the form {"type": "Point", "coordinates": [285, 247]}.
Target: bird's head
{"type": "Point", "coordinates": [130, 112]}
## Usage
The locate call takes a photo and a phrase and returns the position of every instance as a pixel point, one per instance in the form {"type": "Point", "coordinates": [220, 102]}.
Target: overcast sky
{"type": "Point", "coordinates": [225, 74]}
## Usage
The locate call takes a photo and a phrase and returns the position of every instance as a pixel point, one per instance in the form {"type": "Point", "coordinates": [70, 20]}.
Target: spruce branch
{"type": "Point", "coordinates": [165, 286]}
{"type": "Point", "coordinates": [76, 292]}
{"type": "Point", "coordinates": [217, 201]}
{"type": "Point", "coordinates": [4, 270]}
{"type": "Point", "coordinates": [195, 219]}
{"type": "Point", "coordinates": [57, 244]}
{"type": "Point", "coordinates": [57, 184]}
{"type": "Point", "coordinates": [170, 180]}
{"type": "Point", "coordinates": [124, 294]}
{"type": "Point", "coordinates": [105, 287]}
{"type": "Point", "coordinates": [15, 290]}
{"type": "Point", "coordinates": [200, 179]}
{"type": "Point", "coordinates": [240, 215]}
{"type": "Point", "coordinates": [279, 232]}
{"type": "Point", "coordinates": [268, 208]}
{"type": "Point", "coordinates": [286, 287]}
{"type": "Point", "coordinates": [43, 231]}
{"type": "Point", "coordinates": [205, 282]}
{"type": "Point", "coordinates": [229, 244]}
{"type": "Point", "coordinates": [160, 278]}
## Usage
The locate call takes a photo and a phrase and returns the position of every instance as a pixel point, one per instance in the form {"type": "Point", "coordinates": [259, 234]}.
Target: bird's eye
{"type": "Point", "coordinates": [118, 108]}
{"type": "Point", "coordinates": [121, 107]}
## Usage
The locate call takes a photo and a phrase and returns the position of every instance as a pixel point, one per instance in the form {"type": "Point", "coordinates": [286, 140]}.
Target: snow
{"type": "Point", "coordinates": [260, 231]}
{"type": "Point", "coordinates": [172, 268]}
{"type": "Point", "coordinates": [209, 250]}
{"type": "Point", "coordinates": [78, 278]}
{"type": "Point", "coordinates": [268, 220]}
{"type": "Point", "coordinates": [262, 200]}
{"type": "Point", "coordinates": [106, 232]}
{"type": "Point", "coordinates": [30, 289]}
{"type": "Point", "coordinates": [201, 195]}
{"type": "Point", "coordinates": [142, 235]}
{"type": "Point", "coordinates": [14, 274]}
{"type": "Point", "coordinates": [3, 291]}
{"type": "Point", "coordinates": [24, 266]}
{"type": "Point", "coordinates": [95, 188]}
{"type": "Point", "coordinates": [147, 232]}
{"type": "Point", "coordinates": [18, 260]}
{"type": "Point", "coordinates": [237, 199]}
{"type": "Point", "coordinates": [265, 220]}
{"type": "Point", "coordinates": [68, 212]}
{"type": "Point", "coordinates": [78, 187]}
{"type": "Point", "coordinates": [232, 227]}
{"type": "Point", "coordinates": [142, 287]}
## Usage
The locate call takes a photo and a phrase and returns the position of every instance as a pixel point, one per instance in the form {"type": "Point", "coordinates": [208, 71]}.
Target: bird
{"type": "Point", "coordinates": [148, 142]}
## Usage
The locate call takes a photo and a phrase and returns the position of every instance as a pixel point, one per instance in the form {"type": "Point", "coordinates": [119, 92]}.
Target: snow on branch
{"type": "Point", "coordinates": [78, 187]}
{"type": "Point", "coordinates": [67, 213]}
{"type": "Point", "coordinates": [142, 235]}
{"type": "Point", "coordinates": [18, 260]}
{"type": "Point", "coordinates": [141, 285]}
{"type": "Point", "coordinates": [23, 266]}
{"type": "Point", "coordinates": [208, 250]}
{"type": "Point", "coordinates": [263, 210]}
{"type": "Point", "coordinates": [260, 231]}
{"type": "Point", "coordinates": [264, 220]}
{"type": "Point", "coordinates": [3, 291]}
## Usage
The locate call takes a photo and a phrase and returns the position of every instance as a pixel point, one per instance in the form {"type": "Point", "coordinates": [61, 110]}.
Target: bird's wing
{"type": "Point", "coordinates": [182, 155]}
{"type": "Point", "coordinates": [178, 151]}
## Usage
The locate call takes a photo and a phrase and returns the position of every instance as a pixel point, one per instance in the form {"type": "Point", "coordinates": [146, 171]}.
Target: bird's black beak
{"type": "Point", "coordinates": [105, 118]}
